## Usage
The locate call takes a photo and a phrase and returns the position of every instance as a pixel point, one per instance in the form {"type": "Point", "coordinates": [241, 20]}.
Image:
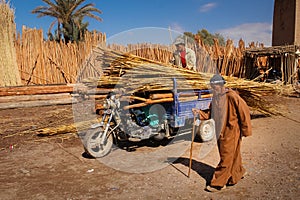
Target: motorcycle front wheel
{"type": "Point", "coordinates": [92, 143]}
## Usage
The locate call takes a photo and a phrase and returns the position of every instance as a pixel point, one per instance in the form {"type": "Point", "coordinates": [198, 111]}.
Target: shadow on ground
{"type": "Point", "coordinates": [204, 170]}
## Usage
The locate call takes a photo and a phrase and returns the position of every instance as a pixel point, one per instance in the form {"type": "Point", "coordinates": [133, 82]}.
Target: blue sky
{"type": "Point", "coordinates": [234, 19]}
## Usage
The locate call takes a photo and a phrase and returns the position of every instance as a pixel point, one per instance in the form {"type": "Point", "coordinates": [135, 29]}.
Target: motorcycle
{"type": "Point", "coordinates": [156, 121]}
{"type": "Point", "coordinates": [115, 125]}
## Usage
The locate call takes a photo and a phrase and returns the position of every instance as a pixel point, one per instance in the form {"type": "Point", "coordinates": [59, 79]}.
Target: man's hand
{"type": "Point", "coordinates": [195, 111]}
{"type": "Point", "coordinates": [202, 114]}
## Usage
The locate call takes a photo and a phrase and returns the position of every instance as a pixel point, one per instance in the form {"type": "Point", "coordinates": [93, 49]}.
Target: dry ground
{"type": "Point", "coordinates": [55, 168]}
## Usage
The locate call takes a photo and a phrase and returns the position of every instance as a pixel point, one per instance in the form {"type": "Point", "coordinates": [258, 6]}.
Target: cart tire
{"type": "Point", "coordinates": [296, 86]}
{"type": "Point", "coordinates": [92, 144]}
{"type": "Point", "coordinates": [207, 130]}
{"type": "Point", "coordinates": [160, 136]}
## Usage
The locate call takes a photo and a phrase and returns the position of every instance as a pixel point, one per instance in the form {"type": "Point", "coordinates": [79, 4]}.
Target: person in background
{"type": "Point", "coordinates": [184, 56]}
{"type": "Point", "coordinates": [232, 121]}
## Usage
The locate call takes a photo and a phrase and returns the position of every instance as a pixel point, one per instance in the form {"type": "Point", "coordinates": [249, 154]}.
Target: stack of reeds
{"type": "Point", "coordinates": [160, 53]}
{"type": "Point", "coordinates": [9, 75]}
{"type": "Point", "coordinates": [143, 82]}
{"type": "Point", "coordinates": [135, 75]}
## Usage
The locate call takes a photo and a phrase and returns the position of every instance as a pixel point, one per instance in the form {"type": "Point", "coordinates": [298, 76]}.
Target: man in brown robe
{"type": "Point", "coordinates": [232, 120]}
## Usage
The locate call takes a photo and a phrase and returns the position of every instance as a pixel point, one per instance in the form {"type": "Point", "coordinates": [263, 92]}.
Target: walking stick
{"type": "Point", "coordinates": [191, 150]}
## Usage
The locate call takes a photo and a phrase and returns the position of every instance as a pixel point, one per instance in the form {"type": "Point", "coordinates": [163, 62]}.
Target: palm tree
{"type": "Point", "coordinates": [74, 30]}
{"type": "Point", "coordinates": [68, 15]}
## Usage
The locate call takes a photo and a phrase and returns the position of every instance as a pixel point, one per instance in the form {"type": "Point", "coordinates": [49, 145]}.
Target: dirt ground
{"type": "Point", "coordinates": [34, 167]}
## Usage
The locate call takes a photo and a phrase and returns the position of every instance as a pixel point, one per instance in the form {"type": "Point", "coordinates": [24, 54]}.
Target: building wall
{"type": "Point", "coordinates": [297, 28]}
{"type": "Point", "coordinates": [286, 22]}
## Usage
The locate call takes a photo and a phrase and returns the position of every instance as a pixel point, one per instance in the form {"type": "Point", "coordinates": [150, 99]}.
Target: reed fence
{"type": "Point", "coordinates": [227, 60]}
{"type": "Point", "coordinates": [49, 62]}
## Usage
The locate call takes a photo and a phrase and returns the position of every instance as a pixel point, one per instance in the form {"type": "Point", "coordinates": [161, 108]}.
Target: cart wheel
{"type": "Point", "coordinates": [207, 130]}
{"type": "Point", "coordinates": [296, 86]}
{"type": "Point", "coordinates": [160, 136]}
{"type": "Point", "coordinates": [92, 143]}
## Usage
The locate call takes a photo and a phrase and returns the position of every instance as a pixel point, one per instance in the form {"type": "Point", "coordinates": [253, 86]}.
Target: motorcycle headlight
{"type": "Point", "coordinates": [108, 111]}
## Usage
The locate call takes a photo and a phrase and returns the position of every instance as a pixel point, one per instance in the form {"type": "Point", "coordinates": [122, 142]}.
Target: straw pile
{"type": "Point", "coordinates": [63, 129]}
{"type": "Point", "coordinates": [140, 78]}
{"type": "Point", "coordinates": [9, 75]}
